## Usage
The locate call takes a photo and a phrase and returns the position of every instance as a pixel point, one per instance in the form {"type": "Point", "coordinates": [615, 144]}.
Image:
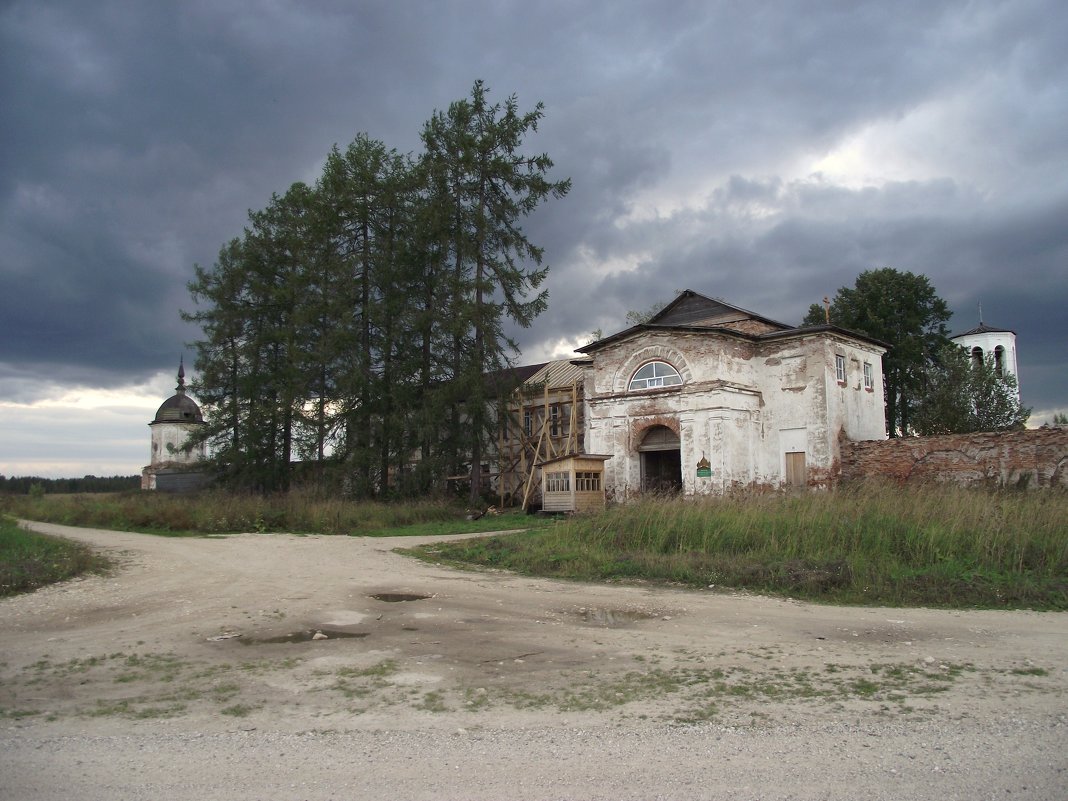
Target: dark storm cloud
{"type": "Point", "coordinates": [136, 135]}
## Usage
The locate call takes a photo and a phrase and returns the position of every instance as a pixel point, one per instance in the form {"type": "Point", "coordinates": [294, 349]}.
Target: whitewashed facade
{"type": "Point", "coordinates": [706, 397]}
{"type": "Point", "coordinates": [172, 466]}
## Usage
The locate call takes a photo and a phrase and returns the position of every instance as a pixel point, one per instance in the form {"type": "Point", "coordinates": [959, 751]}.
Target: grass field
{"type": "Point", "coordinates": [223, 513]}
{"type": "Point", "coordinates": [29, 560]}
{"type": "Point", "coordinates": [932, 546]}
{"type": "Point", "coordinates": [936, 546]}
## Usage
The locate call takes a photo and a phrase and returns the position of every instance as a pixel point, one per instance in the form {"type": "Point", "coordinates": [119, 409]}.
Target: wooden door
{"type": "Point", "coordinates": [796, 472]}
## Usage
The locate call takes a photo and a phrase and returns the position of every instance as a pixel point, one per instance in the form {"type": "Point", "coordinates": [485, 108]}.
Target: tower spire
{"type": "Point", "coordinates": [181, 375]}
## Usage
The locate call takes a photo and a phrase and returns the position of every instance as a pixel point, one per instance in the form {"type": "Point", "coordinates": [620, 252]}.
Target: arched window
{"type": "Point", "coordinates": [999, 360]}
{"type": "Point", "coordinates": [655, 374]}
{"type": "Point", "coordinates": [977, 356]}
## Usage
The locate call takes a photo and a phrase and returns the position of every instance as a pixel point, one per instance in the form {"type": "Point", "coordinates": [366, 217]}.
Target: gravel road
{"type": "Point", "coordinates": [267, 666]}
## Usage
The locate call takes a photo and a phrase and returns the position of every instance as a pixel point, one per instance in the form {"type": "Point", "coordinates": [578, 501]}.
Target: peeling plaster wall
{"type": "Point", "coordinates": [736, 397]}
{"type": "Point", "coordinates": [172, 469]}
{"type": "Point", "coordinates": [167, 441]}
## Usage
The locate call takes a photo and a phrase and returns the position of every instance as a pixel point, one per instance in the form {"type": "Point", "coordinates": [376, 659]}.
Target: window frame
{"type": "Point", "coordinates": [840, 368]}
{"type": "Point", "coordinates": [558, 481]}
{"type": "Point", "coordinates": [654, 381]}
{"type": "Point", "coordinates": [869, 377]}
{"type": "Point", "coordinates": [587, 481]}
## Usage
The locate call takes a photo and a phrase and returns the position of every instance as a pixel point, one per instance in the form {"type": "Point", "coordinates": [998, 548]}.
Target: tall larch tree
{"type": "Point", "coordinates": [482, 185]}
{"type": "Point", "coordinates": [367, 196]}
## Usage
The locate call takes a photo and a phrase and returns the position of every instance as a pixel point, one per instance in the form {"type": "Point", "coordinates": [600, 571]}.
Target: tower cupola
{"type": "Point", "coordinates": [174, 466]}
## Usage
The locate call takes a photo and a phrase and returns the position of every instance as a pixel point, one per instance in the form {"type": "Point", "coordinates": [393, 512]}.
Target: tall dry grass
{"type": "Point", "coordinates": [220, 512]}
{"type": "Point", "coordinates": [863, 544]}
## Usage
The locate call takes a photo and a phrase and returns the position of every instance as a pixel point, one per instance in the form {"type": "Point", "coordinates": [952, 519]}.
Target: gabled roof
{"type": "Point", "coordinates": [691, 311]}
{"type": "Point", "coordinates": [510, 377]}
{"type": "Point", "coordinates": [694, 309]}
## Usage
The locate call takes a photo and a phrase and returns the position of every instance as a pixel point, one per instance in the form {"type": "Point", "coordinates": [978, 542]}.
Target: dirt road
{"type": "Point", "coordinates": [191, 672]}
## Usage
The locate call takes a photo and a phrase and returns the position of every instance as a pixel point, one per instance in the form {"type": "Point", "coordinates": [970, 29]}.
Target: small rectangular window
{"type": "Point", "coordinates": [528, 426]}
{"type": "Point", "coordinates": [558, 482]}
{"type": "Point", "coordinates": [587, 481]}
{"type": "Point", "coordinates": [839, 368]}
{"type": "Point", "coordinates": [554, 420]}
{"type": "Point", "coordinates": [869, 377]}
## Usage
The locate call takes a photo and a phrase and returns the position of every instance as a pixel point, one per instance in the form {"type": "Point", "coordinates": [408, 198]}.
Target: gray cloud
{"type": "Point", "coordinates": [136, 135]}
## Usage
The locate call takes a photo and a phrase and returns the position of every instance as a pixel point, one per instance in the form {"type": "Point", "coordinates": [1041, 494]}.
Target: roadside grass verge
{"type": "Point", "coordinates": [29, 560]}
{"type": "Point", "coordinates": [865, 544]}
{"type": "Point", "coordinates": [222, 513]}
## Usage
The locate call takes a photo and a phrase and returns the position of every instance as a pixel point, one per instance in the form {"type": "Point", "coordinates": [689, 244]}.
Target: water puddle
{"type": "Point", "coordinates": [398, 597]}
{"type": "Point", "coordinates": [612, 617]}
{"type": "Point", "coordinates": [307, 635]}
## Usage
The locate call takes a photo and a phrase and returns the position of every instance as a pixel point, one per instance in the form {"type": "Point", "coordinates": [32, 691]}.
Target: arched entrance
{"type": "Point", "coordinates": [661, 460]}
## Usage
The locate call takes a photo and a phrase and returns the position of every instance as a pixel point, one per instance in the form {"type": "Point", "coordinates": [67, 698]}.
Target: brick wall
{"type": "Point", "coordinates": [1033, 458]}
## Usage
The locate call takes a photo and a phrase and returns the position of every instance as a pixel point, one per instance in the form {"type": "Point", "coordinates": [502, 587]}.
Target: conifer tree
{"type": "Point", "coordinates": [482, 186]}
{"type": "Point", "coordinates": [361, 321]}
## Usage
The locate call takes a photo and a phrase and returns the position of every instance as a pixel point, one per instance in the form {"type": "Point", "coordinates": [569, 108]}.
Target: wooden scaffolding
{"type": "Point", "coordinates": [545, 420]}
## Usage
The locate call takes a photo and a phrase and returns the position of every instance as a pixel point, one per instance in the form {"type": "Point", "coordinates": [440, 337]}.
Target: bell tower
{"type": "Point", "coordinates": [985, 343]}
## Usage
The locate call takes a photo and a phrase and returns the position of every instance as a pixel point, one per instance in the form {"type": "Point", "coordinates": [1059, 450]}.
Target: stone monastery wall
{"type": "Point", "coordinates": [1032, 458]}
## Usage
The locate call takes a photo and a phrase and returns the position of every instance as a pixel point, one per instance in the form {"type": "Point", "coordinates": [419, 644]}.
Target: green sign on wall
{"type": "Point", "coordinates": [704, 468]}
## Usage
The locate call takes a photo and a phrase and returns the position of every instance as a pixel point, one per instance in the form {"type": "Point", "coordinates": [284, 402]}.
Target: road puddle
{"type": "Point", "coordinates": [398, 597]}
{"type": "Point", "coordinates": [612, 617]}
{"type": "Point", "coordinates": [306, 635]}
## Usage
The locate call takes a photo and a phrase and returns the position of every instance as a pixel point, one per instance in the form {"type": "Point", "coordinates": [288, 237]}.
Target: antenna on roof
{"type": "Point", "coordinates": [980, 312]}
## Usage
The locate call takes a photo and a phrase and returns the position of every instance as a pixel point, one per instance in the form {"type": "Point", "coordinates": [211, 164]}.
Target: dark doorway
{"type": "Point", "coordinates": [661, 461]}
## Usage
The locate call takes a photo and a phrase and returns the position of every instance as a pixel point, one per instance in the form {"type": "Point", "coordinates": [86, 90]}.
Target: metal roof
{"type": "Point", "coordinates": [983, 328]}
{"type": "Point", "coordinates": [559, 373]}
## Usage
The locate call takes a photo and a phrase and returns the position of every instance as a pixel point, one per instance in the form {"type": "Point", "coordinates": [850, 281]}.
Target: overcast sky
{"type": "Point", "coordinates": [763, 153]}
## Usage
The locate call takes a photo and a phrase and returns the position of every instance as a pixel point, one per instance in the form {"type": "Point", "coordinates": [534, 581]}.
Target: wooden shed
{"type": "Point", "coordinates": [573, 483]}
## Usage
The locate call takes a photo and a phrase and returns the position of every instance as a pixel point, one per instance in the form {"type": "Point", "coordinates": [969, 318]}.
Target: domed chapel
{"type": "Point", "coordinates": [173, 468]}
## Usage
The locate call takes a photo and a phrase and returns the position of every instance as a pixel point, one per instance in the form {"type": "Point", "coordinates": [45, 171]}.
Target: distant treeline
{"type": "Point", "coordinates": [24, 485]}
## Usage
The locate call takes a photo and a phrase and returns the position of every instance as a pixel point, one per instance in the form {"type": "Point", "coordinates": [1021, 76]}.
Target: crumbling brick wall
{"type": "Point", "coordinates": [1033, 458]}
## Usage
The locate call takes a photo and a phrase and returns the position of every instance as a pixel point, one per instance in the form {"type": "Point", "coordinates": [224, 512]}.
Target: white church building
{"type": "Point", "coordinates": [706, 396]}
